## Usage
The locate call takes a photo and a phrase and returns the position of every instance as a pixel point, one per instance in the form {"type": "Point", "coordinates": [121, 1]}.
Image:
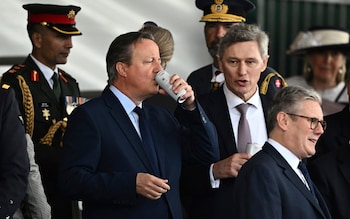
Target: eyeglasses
{"type": "Point", "coordinates": [313, 121]}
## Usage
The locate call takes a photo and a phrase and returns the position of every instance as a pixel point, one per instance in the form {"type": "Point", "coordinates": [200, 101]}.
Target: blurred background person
{"type": "Point", "coordinates": [163, 38]}
{"type": "Point", "coordinates": [330, 168]}
{"type": "Point", "coordinates": [14, 163]}
{"type": "Point", "coordinates": [325, 51]}
{"type": "Point", "coordinates": [338, 133]}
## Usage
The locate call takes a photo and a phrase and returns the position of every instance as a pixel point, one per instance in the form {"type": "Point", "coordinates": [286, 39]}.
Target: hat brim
{"type": "Point", "coordinates": [65, 29]}
{"type": "Point", "coordinates": [344, 48]}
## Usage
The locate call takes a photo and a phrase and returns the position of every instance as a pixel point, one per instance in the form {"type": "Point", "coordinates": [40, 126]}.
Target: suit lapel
{"type": "Point", "coordinates": [294, 178]}
{"type": "Point", "coordinates": [221, 118]}
{"type": "Point", "coordinates": [122, 120]}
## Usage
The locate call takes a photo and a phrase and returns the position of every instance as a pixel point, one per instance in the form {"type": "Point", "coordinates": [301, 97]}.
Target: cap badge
{"type": "Point", "coordinates": [219, 7]}
{"type": "Point", "coordinates": [71, 15]}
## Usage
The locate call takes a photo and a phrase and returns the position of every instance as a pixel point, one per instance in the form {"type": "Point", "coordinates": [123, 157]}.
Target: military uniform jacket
{"type": "Point", "coordinates": [47, 111]}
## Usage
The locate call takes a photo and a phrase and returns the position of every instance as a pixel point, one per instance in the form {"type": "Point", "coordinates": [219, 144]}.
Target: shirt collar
{"type": "Point", "coordinates": [291, 159]}
{"type": "Point", "coordinates": [233, 100]}
{"type": "Point", "coordinates": [47, 72]}
{"type": "Point", "coordinates": [217, 78]}
{"type": "Point", "coordinates": [126, 102]}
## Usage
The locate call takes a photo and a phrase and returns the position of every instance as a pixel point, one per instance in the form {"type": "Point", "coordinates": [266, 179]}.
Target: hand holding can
{"type": "Point", "coordinates": [163, 79]}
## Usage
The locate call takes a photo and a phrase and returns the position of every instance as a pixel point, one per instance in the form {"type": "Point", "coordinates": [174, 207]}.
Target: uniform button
{"type": "Point", "coordinates": [11, 202]}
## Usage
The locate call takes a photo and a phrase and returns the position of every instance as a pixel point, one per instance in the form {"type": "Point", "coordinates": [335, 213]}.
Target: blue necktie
{"type": "Point", "coordinates": [147, 139]}
{"type": "Point", "coordinates": [305, 172]}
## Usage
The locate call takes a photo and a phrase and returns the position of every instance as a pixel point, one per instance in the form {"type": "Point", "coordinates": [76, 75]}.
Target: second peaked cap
{"type": "Point", "coordinates": [225, 10]}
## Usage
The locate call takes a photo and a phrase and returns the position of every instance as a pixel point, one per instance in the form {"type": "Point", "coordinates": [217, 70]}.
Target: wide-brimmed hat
{"type": "Point", "coordinates": [316, 38]}
{"type": "Point", "coordinates": [225, 10]}
{"type": "Point", "coordinates": [60, 18]}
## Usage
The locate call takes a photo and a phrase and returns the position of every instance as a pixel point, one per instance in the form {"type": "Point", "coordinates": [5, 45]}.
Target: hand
{"type": "Point", "coordinates": [180, 84]}
{"type": "Point", "coordinates": [230, 166]}
{"type": "Point", "coordinates": [151, 186]}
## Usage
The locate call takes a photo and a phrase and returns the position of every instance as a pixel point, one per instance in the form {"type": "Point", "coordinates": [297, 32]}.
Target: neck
{"type": "Point", "coordinates": [323, 84]}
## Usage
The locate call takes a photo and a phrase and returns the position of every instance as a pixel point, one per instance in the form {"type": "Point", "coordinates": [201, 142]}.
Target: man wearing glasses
{"type": "Point", "coordinates": [274, 183]}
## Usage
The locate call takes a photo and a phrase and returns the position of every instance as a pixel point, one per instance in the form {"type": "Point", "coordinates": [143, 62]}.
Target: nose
{"type": "Point", "coordinates": [158, 66]}
{"type": "Point", "coordinates": [69, 42]}
{"type": "Point", "coordinates": [220, 31]}
{"type": "Point", "coordinates": [242, 68]}
{"type": "Point", "coordinates": [319, 130]}
{"type": "Point", "coordinates": [327, 56]}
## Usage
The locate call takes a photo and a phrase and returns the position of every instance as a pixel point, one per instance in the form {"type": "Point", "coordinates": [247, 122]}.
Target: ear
{"type": "Point", "coordinates": [265, 61]}
{"type": "Point", "coordinates": [121, 69]}
{"type": "Point", "coordinates": [37, 39]}
{"type": "Point", "coordinates": [283, 120]}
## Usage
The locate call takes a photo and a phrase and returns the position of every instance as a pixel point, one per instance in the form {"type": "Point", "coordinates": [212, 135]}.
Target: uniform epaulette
{"type": "Point", "coordinates": [5, 86]}
{"type": "Point", "coordinates": [15, 68]}
{"type": "Point", "coordinates": [279, 82]}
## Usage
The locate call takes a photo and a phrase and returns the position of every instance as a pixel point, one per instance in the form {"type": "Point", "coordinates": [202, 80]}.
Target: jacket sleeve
{"type": "Point", "coordinates": [14, 163]}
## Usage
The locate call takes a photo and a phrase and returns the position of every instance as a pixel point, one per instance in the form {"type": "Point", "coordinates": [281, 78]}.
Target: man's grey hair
{"type": "Point", "coordinates": [289, 99]}
{"type": "Point", "coordinates": [243, 33]}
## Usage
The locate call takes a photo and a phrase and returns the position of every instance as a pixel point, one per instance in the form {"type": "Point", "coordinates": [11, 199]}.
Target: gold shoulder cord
{"type": "Point", "coordinates": [28, 105]}
{"type": "Point", "coordinates": [47, 139]}
{"type": "Point", "coordinates": [265, 84]}
{"type": "Point", "coordinates": [29, 115]}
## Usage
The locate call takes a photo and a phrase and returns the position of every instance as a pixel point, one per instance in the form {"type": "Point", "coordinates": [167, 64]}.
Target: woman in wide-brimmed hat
{"type": "Point", "coordinates": [325, 50]}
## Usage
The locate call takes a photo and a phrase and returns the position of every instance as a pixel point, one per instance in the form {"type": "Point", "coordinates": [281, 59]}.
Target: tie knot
{"type": "Point", "coordinates": [54, 76]}
{"type": "Point", "coordinates": [138, 111]}
{"type": "Point", "coordinates": [242, 108]}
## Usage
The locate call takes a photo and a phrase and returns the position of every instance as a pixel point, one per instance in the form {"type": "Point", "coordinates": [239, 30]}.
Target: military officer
{"type": "Point", "coordinates": [46, 93]}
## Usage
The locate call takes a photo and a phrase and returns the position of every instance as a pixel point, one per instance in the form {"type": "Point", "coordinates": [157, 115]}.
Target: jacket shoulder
{"type": "Point", "coordinates": [66, 75]}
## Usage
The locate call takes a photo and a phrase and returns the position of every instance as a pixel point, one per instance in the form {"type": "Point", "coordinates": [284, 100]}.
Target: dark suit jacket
{"type": "Point", "coordinates": [47, 111]}
{"type": "Point", "coordinates": [337, 133]}
{"type": "Point", "coordinates": [200, 80]}
{"type": "Point", "coordinates": [331, 174]}
{"type": "Point", "coordinates": [14, 162]}
{"type": "Point", "coordinates": [268, 188]}
{"type": "Point", "coordinates": [102, 154]}
{"type": "Point", "coordinates": [200, 200]}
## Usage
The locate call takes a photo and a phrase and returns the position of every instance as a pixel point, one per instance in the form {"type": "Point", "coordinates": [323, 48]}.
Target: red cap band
{"type": "Point", "coordinates": [51, 18]}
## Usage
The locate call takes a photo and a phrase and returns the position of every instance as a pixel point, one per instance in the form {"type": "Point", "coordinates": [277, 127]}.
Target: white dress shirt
{"type": "Point", "coordinates": [255, 117]}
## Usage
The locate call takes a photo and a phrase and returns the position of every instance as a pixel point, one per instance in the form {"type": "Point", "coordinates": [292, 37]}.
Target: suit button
{"type": "Point", "coordinates": [11, 202]}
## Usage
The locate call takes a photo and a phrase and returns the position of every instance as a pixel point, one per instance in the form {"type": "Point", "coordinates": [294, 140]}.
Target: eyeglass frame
{"type": "Point", "coordinates": [312, 120]}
